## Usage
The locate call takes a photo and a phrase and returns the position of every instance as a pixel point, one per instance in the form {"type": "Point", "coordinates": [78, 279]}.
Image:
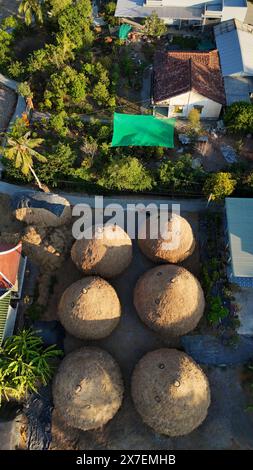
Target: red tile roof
{"type": "Point", "coordinates": [178, 72]}
{"type": "Point", "coordinates": [9, 264]}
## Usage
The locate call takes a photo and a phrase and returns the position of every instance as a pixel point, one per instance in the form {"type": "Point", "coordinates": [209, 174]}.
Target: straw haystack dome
{"type": "Point", "coordinates": [170, 392]}
{"type": "Point", "coordinates": [169, 299]}
{"type": "Point", "coordinates": [107, 253]}
{"type": "Point", "coordinates": [89, 308]}
{"type": "Point", "coordinates": [41, 209]}
{"type": "Point", "coordinates": [88, 388]}
{"type": "Point", "coordinates": [153, 244]}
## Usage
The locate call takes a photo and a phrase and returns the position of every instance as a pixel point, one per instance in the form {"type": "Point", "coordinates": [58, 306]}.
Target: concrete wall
{"type": "Point", "coordinates": [238, 13]}
{"type": "Point", "coordinates": [211, 109]}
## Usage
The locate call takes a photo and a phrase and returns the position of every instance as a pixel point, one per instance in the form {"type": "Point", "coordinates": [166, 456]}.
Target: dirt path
{"type": "Point", "coordinates": [8, 100]}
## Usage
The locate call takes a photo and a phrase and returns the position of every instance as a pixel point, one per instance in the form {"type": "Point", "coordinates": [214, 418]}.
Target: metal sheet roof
{"type": "Point", "coordinates": [234, 41]}
{"type": "Point", "coordinates": [136, 9]}
{"type": "Point", "coordinates": [240, 230]}
{"type": "Point", "coordinates": [238, 89]}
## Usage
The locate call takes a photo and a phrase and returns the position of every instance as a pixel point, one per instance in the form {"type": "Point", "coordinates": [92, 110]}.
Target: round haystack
{"type": "Point", "coordinates": [88, 388]}
{"type": "Point", "coordinates": [170, 392]}
{"type": "Point", "coordinates": [169, 241]}
{"type": "Point", "coordinates": [89, 308]}
{"type": "Point", "coordinates": [169, 299]}
{"type": "Point", "coordinates": [41, 209]}
{"type": "Point", "coordinates": [107, 253]}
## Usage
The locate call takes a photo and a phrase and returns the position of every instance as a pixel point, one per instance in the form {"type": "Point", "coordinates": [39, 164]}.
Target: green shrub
{"type": "Point", "coordinates": [24, 365]}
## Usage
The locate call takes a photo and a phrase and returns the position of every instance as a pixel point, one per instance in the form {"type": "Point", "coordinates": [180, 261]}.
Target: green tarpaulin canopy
{"type": "Point", "coordinates": [141, 130]}
{"type": "Point", "coordinates": [124, 30]}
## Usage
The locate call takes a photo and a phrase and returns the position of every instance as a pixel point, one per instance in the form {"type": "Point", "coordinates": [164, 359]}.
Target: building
{"type": "Point", "coordinates": [186, 80]}
{"type": "Point", "coordinates": [12, 271]}
{"type": "Point", "coordinates": [239, 216]}
{"type": "Point", "coordinates": [234, 41]}
{"type": "Point", "coordinates": [184, 13]}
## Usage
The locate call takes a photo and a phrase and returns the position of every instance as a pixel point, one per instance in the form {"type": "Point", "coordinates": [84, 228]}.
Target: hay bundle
{"type": "Point", "coordinates": [88, 388]}
{"type": "Point", "coordinates": [156, 249]}
{"type": "Point", "coordinates": [170, 392]}
{"type": "Point", "coordinates": [89, 308]}
{"type": "Point", "coordinates": [41, 209]}
{"type": "Point", "coordinates": [169, 299]}
{"type": "Point", "coordinates": [107, 254]}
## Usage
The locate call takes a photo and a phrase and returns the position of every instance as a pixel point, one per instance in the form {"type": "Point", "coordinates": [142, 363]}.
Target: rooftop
{"type": "Point", "coordinates": [137, 9]}
{"type": "Point", "coordinates": [239, 220]}
{"type": "Point", "coordinates": [239, 58]}
{"type": "Point", "coordinates": [179, 72]}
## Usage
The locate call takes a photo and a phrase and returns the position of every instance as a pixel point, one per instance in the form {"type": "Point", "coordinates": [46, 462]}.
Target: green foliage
{"type": "Point", "coordinates": [24, 365]}
{"type": "Point", "coordinates": [218, 186]}
{"type": "Point", "coordinates": [216, 311]}
{"type": "Point", "coordinates": [75, 22]}
{"type": "Point", "coordinates": [154, 26]}
{"type": "Point", "coordinates": [239, 117]}
{"type": "Point", "coordinates": [20, 148]}
{"type": "Point", "coordinates": [58, 123]}
{"type": "Point", "coordinates": [194, 118]}
{"type": "Point", "coordinates": [59, 164]}
{"type": "Point", "coordinates": [179, 174]}
{"type": "Point", "coordinates": [24, 90]}
{"type": "Point", "coordinates": [31, 9]}
{"type": "Point", "coordinates": [57, 6]}
{"type": "Point", "coordinates": [6, 41]}
{"type": "Point", "coordinates": [126, 173]}
{"type": "Point", "coordinates": [16, 70]}
{"type": "Point", "coordinates": [65, 87]}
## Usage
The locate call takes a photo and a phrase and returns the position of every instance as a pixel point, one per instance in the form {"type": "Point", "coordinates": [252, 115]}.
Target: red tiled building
{"type": "Point", "coordinates": [186, 80]}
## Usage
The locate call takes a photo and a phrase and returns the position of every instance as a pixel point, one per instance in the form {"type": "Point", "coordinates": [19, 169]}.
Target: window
{"type": "Point", "coordinates": [199, 108]}
{"type": "Point", "coordinates": [178, 109]}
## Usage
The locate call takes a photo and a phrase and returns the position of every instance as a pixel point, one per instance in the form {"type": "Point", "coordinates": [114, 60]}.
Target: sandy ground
{"type": "Point", "coordinates": [8, 101]}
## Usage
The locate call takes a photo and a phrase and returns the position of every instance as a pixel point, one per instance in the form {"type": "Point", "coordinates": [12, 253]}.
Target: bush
{"type": "Point", "coordinates": [218, 186]}
{"type": "Point", "coordinates": [216, 311]}
{"type": "Point", "coordinates": [24, 365]}
{"type": "Point", "coordinates": [126, 173]}
{"type": "Point", "coordinates": [194, 118]}
{"type": "Point", "coordinates": [59, 164]}
{"type": "Point", "coordinates": [239, 117]}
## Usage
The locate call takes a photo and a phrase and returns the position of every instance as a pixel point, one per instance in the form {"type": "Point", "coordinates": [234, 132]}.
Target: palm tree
{"type": "Point", "coordinates": [20, 149]}
{"type": "Point", "coordinates": [30, 9]}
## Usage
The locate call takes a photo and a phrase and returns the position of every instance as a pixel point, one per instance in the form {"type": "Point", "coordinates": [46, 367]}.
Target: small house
{"type": "Point", "coordinates": [183, 81]}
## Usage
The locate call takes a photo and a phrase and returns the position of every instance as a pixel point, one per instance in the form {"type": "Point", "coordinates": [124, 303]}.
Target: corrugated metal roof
{"type": "Point", "coordinates": [136, 9]}
{"type": "Point", "coordinates": [4, 307]}
{"type": "Point", "coordinates": [240, 230]}
{"type": "Point", "coordinates": [234, 41]}
{"type": "Point", "coordinates": [238, 89]}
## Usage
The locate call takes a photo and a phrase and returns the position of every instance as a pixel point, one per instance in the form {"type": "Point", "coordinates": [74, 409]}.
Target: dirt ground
{"type": "Point", "coordinates": [8, 100]}
{"type": "Point", "coordinates": [227, 426]}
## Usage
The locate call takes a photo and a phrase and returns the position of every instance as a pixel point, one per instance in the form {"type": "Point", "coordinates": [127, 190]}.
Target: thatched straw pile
{"type": "Point", "coordinates": [88, 388]}
{"type": "Point", "coordinates": [169, 299]}
{"type": "Point", "coordinates": [107, 254]}
{"type": "Point", "coordinates": [89, 308]}
{"type": "Point", "coordinates": [156, 249]}
{"type": "Point", "coordinates": [170, 391]}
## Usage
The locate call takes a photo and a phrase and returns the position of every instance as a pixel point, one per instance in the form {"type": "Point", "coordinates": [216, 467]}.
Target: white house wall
{"type": "Point", "coordinates": [228, 13]}
{"type": "Point", "coordinates": [211, 109]}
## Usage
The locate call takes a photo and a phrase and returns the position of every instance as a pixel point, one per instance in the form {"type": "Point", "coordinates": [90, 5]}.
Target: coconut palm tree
{"type": "Point", "coordinates": [20, 148]}
{"type": "Point", "coordinates": [31, 9]}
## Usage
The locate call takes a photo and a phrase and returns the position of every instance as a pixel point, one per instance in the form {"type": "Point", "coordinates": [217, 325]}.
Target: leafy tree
{"type": "Point", "coordinates": [218, 186]}
{"type": "Point", "coordinates": [59, 165]}
{"type": "Point", "coordinates": [180, 176]}
{"type": "Point", "coordinates": [154, 26]}
{"type": "Point", "coordinates": [20, 149]}
{"type": "Point", "coordinates": [75, 22]}
{"type": "Point", "coordinates": [31, 9]}
{"type": "Point", "coordinates": [100, 93]}
{"type": "Point", "coordinates": [52, 55]}
{"type": "Point", "coordinates": [24, 90]}
{"type": "Point", "coordinates": [194, 118]}
{"type": "Point", "coordinates": [24, 365]}
{"type": "Point", "coordinates": [64, 87]}
{"type": "Point", "coordinates": [58, 123]}
{"type": "Point", "coordinates": [239, 117]}
{"type": "Point", "coordinates": [126, 173]}
{"type": "Point", "coordinates": [57, 6]}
